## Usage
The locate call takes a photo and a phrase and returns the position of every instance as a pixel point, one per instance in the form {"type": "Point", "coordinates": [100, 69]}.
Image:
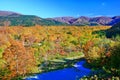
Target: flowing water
{"type": "Point", "coordinates": [74, 73]}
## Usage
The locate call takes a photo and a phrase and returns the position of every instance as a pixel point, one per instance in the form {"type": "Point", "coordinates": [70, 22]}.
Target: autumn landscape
{"type": "Point", "coordinates": [59, 48]}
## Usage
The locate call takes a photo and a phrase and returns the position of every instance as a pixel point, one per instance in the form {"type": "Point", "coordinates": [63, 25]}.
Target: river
{"type": "Point", "coordinates": [74, 73]}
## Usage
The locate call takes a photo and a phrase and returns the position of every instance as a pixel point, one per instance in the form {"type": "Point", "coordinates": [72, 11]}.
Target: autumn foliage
{"type": "Point", "coordinates": [25, 48]}
{"type": "Point", "coordinates": [18, 59]}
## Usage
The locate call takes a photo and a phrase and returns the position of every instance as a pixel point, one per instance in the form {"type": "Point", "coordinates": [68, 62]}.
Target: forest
{"type": "Point", "coordinates": [24, 49]}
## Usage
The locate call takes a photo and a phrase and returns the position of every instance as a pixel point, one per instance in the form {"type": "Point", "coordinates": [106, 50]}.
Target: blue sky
{"type": "Point", "coordinates": [58, 8]}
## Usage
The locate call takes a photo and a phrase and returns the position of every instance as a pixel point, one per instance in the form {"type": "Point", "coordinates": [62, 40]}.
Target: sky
{"type": "Point", "coordinates": [59, 8]}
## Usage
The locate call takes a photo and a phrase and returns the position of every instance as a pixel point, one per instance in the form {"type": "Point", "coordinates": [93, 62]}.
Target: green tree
{"type": "Point", "coordinates": [113, 62]}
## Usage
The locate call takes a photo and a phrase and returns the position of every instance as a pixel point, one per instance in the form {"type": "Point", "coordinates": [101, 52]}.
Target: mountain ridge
{"type": "Point", "coordinates": [31, 20]}
{"type": "Point", "coordinates": [102, 20]}
{"type": "Point", "coordinates": [8, 13]}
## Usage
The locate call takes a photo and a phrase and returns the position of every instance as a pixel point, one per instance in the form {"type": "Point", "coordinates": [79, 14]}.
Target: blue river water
{"type": "Point", "coordinates": [74, 73]}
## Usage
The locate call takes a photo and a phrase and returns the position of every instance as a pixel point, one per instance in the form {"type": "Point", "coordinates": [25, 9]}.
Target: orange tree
{"type": "Point", "coordinates": [18, 60]}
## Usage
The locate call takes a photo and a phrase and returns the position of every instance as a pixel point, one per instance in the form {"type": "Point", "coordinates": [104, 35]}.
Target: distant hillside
{"type": "Point", "coordinates": [8, 13]}
{"type": "Point", "coordinates": [113, 31]}
{"type": "Point", "coordinates": [115, 20]}
{"type": "Point", "coordinates": [17, 19]}
{"type": "Point", "coordinates": [83, 20]}
{"type": "Point", "coordinates": [25, 20]}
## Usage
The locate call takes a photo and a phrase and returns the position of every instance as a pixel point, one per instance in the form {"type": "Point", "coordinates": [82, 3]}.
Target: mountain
{"type": "Point", "coordinates": [63, 19]}
{"type": "Point", "coordinates": [83, 20]}
{"type": "Point", "coordinates": [113, 31]}
{"type": "Point", "coordinates": [101, 20]}
{"type": "Point", "coordinates": [17, 19]}
{"type": "Point", "coordinates": [80, 21]}
{"type": "Point", "coordinates": [73, 21]}
{"type": "Point", "coordinates": [9, 13]}
{"type": "Point", "coordinates": [115, 20]}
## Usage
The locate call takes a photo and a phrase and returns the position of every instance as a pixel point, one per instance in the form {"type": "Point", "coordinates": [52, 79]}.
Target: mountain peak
{"type": "Point", "coordinates": [19, 19]}
{"type": "Point", "coordinates": [8, 13]}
